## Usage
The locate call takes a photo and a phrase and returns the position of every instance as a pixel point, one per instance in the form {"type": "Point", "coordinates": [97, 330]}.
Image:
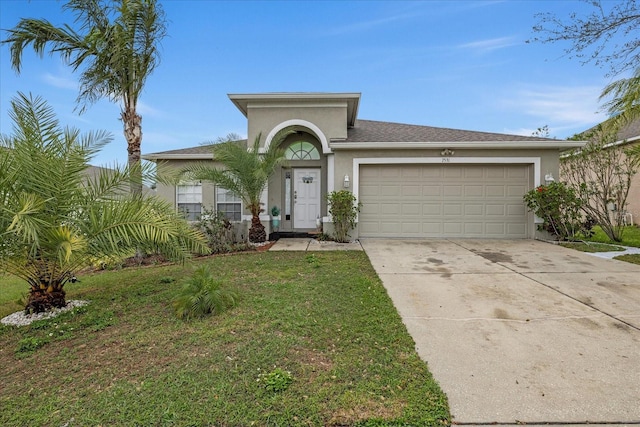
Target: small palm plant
{"type": "Point", "coordinates": [56, 220]}
{"type": "Point", "coordinates": [202, 295]}
{"type": "Point", "coordinates": [245, 172]}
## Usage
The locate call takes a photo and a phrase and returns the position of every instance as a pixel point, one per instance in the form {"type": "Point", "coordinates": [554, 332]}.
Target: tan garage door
{"type": "Point", "coordinates": [448, 200]}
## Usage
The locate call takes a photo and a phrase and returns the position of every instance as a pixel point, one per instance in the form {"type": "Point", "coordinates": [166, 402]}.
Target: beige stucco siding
{"type": "Point", "coordinates": [331, 120]}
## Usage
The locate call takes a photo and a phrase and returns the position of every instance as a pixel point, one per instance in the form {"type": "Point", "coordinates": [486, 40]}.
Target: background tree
{"type": "Point", "coordinates": [600, 174]}
{"type": "Point", "coordinates": [593, 37]}
{"type": "Point", "coordinates": [116, 46]}
{"type": "Point", "coordinates": [55, 220]}
{"type": "Point", "coordinates": [245, 171]}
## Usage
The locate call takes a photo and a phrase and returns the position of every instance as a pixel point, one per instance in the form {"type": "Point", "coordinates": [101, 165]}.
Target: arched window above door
{"type": "Point", "coordinates": [302, 151]}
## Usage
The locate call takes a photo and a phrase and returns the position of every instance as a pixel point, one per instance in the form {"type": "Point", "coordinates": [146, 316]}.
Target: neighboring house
{"type": "Point", "coordinates": [92, 172]}
{"type": "Point", "coordinates": [412, 181]}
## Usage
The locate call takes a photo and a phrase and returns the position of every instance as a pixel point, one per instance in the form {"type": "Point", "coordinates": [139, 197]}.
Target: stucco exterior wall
{"type": "Point", "coordinates": [330, 118]}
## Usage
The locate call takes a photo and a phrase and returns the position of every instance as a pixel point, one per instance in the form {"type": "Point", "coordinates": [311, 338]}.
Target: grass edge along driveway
{"type": "Point", "coordinates": [125, 359]}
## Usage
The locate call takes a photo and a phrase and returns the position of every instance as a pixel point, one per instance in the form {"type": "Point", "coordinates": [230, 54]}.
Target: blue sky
{"type": "Point", "coordinates": [455, 64]}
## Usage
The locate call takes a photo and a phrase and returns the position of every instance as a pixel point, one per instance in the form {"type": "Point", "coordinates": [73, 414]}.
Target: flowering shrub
{"type": "Point", "coordinates": [559, 207]}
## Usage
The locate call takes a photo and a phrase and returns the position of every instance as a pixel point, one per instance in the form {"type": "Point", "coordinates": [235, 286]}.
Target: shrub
{"type": "Point", "coordinates": [219, 231]}
{"type": "Point", "coordinates": [202, 295]}
{"type": "Point", "coordinates": [559, 207]}
{"type": "Point", "coordinates": [344, 211]}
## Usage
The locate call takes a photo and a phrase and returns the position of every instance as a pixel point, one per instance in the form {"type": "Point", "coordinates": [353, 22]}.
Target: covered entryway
{"type": "Point", "coordinates": [444, 200]}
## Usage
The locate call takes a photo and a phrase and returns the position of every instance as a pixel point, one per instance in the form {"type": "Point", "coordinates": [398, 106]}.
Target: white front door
{"type": "Point", "coordinates": [306, 197]}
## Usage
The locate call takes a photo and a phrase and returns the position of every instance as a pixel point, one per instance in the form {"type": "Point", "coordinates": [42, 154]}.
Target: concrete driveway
{"type": "Point", "coordinates": [519, 331]}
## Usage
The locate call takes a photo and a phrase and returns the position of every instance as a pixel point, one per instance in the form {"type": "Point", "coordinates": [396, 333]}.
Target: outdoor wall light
{"type": "Point", "coordinates": [346, 181]}
{"type": "Point", "coordinates": [548, 178]}
{"type": "Point", "coordinates": [447, 152]}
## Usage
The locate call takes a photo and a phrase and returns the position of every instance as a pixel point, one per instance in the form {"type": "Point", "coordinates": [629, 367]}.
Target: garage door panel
{"type": "Point", "coordinates": [389, 209]}
{"type": "Point", "coordinates": [517, 172]}
{"type": "Point", "coordinates": [431, 229]}
{"type": "Point", "coordinates": [515, 229]}
{"type": "Point", "coordinates": [473, 172]}
{"type": "Point", "coordinates": [390, 190]}
{"type": "Point", "coordinates": [473, 191]}
{"type": "Point", "coordinates": [411, 209]}
{"type": "Point", "coordinates": [452, 190]}
{"type": "Point", "coordinates": [516, 210]}
{"type": "Point", "coordinates": [497, 173]}
{"type": "Point", "coordinates": [452, 209]}
{"type": "Point", "coordinates": [432, 209]}
{"type": "Point", "coordinates": [452, 228]}
{"type": "Point", "coordinates": [473, 209]}
{"type": "Point", "coordinates": [494, 229]}
{"type": "Point", "coordinates": [444, 200]}
{"type": "Point", "coordinates": [495, 210]}
{"type": "Point", "coordinates": [495, 190]}
{"type": "Point", "coordinates": [411, 190]}
{"type": "Point", "coordinates": [431, 190]}
{"type": "Point", "coordinates": [369, 190]}
{"type": "Point", "coordinates": [516, 190]}
{"type": "Point", "coordinates": [452, 172]}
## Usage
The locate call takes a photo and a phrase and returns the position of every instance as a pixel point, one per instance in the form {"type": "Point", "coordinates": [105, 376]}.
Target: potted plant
{"type": "Point", "coordinates": [275, 218]}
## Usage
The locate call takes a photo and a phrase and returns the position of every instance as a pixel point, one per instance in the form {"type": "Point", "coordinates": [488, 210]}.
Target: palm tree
{"type": "Point", "coordinates": [55, 219]}
{"type": "Point", "coordinates": [117, 44]}
{"type": "Point", "coordinates": [245, 172]}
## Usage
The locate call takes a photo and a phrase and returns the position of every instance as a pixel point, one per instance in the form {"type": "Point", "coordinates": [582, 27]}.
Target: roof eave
{"type": "Point", "coordinates": [242, 100]}
{"type": "Point", "coordinates": [160, 156]}
{"type": "Point", "coordinates": [494, 145]}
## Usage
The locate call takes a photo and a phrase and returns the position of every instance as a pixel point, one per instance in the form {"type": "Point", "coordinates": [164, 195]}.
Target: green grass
{"type": "Point", "coordinates": [126, 360]}
{"type": "Point", "coordinates": [630, 236]}
{"type": "Point", "coordinates": [632, 258]}
{"type": "Point", "coordinates": [591, 247]}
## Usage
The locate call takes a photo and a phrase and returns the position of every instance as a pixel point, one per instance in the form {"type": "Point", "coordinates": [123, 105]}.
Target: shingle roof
{"type": "Point", "coordinates": [200, 149]}
{"type": "Point", "coordinates": [375, 131]}
{"type": "Point", "coordinates": [631, 130]}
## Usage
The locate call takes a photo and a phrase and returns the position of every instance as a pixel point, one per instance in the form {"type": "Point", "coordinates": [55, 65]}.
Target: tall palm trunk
{"type": "Point", "coordinates": [132, 123]}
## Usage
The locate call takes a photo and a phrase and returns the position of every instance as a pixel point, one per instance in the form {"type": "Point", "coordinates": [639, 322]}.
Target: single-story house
{"type": "Point", "coordinates": [412, 181]}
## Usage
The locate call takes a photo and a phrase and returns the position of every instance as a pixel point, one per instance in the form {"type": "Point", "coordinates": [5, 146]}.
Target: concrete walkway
{"type": "Point", "coordinates": [628, 250]}
{"type": "Point", "coordinates": [520, 332]}
{"type": "Point", "coordinates": [314, 245]}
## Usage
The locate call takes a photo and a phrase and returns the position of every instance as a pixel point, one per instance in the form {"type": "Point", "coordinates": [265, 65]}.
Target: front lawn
{"type": "Point", "coordinates": [630, 236]}
{"type": "Point", "coordinates": [125, 359]}
{"type": "Point", "coordinates": [591, 247]}
{"type": "Point", "coordinates": [632, 258]}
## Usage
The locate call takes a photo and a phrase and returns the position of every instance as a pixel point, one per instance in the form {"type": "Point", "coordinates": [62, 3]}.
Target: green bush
{"type": "Point", "coordinates": [344, 211]}
{"type": "Point", "coordinates": [202, 295]}
{"type": "Point", "coordinates": [559, 207]}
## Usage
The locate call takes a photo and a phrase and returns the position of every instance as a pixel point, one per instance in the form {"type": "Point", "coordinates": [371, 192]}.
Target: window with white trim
{"type": "Point", "coordinates": [229, 204]}
{"type": "Point", "coordinates": [189, 200]}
